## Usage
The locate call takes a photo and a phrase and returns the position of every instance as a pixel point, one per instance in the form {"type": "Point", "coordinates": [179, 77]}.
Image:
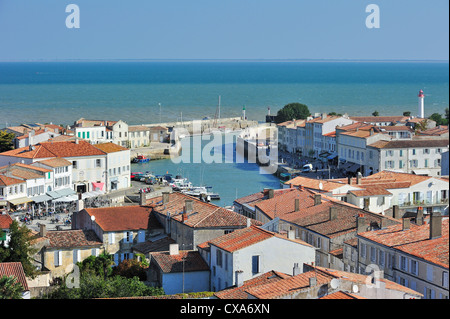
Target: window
{"type": "Point", "coordinates": [98, 163]}
{"type": "Point", "coordinates": [128, 237]}
{"type": "Point", "coordinates": [57, 258]}
{"type": "Point", "coordinates": [413, 151]}
{"type": "Point", "coordinates": [382, 258]}
{"type": "Point", "coordinates": [74, 164]}
{"type": "Point", "coordinates": [219, 258]}
{"type": "Point", "coordinates": [426, 151]}
{"type": "Point", "coordinates": [373, 254]}
{"type": "Point", "coordinates": [429, 273]}
{"type": "Point", "coordinates": [363, 250]}
{"type": "Point", "coordinates": [426, 162]}
{"type": "Point", "coordinates": [76, 256]}
{"type": "Point", "coordinates": [319, 242]}
{"type": "Point", "coordinates": [255, 264]}
{"type": "Point", "coordinates": [403, 264]}
{"type": "Point", "coordinates": [414, 267]}
{"type": "Point", "coordinates": [401, 153]}
{"type": "Point", "coordinates": [445, 279]}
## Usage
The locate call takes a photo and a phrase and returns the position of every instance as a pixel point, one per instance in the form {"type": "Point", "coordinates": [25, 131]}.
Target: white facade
{"type": "Point", "coordinates": [271, 254]}
{"type": "Point", "coordinates": [94, 134]}
{"type": "Point", "coordinates": [118, 170]}
{"type": "Point", "coordinates": [423, 160]}
{"type": "Point", "coordinates": [87, 170]}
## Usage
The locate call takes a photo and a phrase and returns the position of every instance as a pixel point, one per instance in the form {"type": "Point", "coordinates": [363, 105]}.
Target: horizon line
{"type": "Point", "coordinates": [221, 60]}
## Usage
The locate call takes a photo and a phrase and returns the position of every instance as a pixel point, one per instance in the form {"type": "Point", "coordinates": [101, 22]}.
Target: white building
{"type": "Point", "coordinates": [62, 172]}
{"type": "Point", "coordinates": [34, 137]}
{"type": "Point", "coordinates": [418, 156]}
{"type": "Point", "coordinates": [88, 162]}
{"type": "Point", "coordinates": [13, 191]}
{"type": "Point", "coordinates": [247, 253]}
{"type": "Point", "coordinates": [100, 131]}
{"type": "Point", "coordinates": [117, 166]}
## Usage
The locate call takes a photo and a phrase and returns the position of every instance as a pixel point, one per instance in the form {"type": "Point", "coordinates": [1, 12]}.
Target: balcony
{"type": "Point", "coordinates": [425, 202]}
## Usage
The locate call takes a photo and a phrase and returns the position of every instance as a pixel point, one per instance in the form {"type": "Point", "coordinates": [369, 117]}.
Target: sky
{"type": "Point", "coordinates": [231, 29]}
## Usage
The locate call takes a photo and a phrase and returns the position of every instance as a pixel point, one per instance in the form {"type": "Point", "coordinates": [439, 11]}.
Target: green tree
{"type": "Point", "coordinates": [407, 113]}
{"type": "Point", "coordinates": [6, 143]}
{"type": "Point", "coordinates": [100, 265]}
{"type": "Point", "coordinates": [292, 111]}
{"type": "Point", "coordinates": [375, 113]}
{"type": "Point", "coordinates": [130, 268]}
{"type": "Point", "coordinates": [19, 248]}
{"type": "Point", "coordinates": [10, 288]}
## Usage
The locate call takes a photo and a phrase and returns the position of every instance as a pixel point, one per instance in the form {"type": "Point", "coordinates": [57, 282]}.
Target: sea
{"type": "Point", "coordinates": [146, 92]}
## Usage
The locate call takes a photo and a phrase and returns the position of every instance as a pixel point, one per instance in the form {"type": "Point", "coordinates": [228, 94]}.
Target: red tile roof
{"type": "Point", "coordinates": [415, 241]}
{"type": "Point", "coordinates": [14, 269]}
{"type": "Point", "coordinates": [239, 292]}
{"type": "Point", "coordinates": [124, 218]}
{"type": "Point", "coordinates": [193, 261]}
{"type": "Point", "coordinates": [6, 181]}
{"type": "Point", "coordinates": [72, 238]}
{"type": "Point", "coordinates": [56, 162]}
{"type": "Point", "coordinates": [56, 149]}
{"type": "Point", "coordinates": [245, 237]}
{"type": "Point", "coordinates": [110, 147]}
{"type": "Point", "coordinates": [342, 295]}
{"type": "Point", "coordinates": [5, 221]}
{"type": "Point", "coordinates": [204, 215]}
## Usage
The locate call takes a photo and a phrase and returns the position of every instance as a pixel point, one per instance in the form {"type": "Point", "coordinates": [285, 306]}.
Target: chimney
{"type": "Point", "coordinates": [296, 270]}
{"type": "Point", "coordinates": [142, 199]}
{"type": "Point", "coordinates": [317, 199]}
{"type": "Point", "coordinates": [297, 205]}
{"type": "Point", "coordinates": [271, 192]}
{"type": "Point", "coordinates": [165, 197]}
{"type": "Point", "coordinates": [349, 180]}
{"type": "Point", "coordinates": [361, 223]}
{"type": "Point", "coordinates": [419, 216]}
{"type": "Point", "coordinates": [333, 212]}
{"type": "Point", "coordinates": [312, 281]}
{"type": "Point", "coordinates": [249, 222]}
{"type": "Point", "coordinates": [371, 131]}
{"type": "Point", "coordinates": [358, 178]}
{"type": "Point", "coordinates": [184, 217]}
{"type": "Point", "coordinates": [435, 225]}
{"type": "Point", "coordinates": [80, 203]}
{"type": "Point", "coordinates": [396, 212]}
{"type": "Point", "coordinates": [188, 206]}
{"type": "Point", "coordinates": [406, 223]}
{"type": "Point", "coordinates": [239, 278]}
{"type": "Point", "coordinates": [173, 249]}
{"type": "Point", "coordinates": [291, 234]}
{"type": "Point", "coordinates": [42, 230]}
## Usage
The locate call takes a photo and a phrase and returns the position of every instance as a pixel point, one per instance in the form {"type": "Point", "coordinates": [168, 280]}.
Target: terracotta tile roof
{"type": "Point", "coordinates": [287, 286]}
{"type": "Point", "coordinates": [193, 261]}
{"type": "Point", "coordinates": [342, 295]}
{"type": "Point", "coordinates": [411, 143]}
{"type": "Point", "coordinates": [31, 167]}
{"type": "Point", "coordinates": [436, 131]}
{"type": "Point", "coordinates": [14, 269]}
{"type": "Point", "coordinates": [317, 217]}
{"type": "Point", "coordinates": [362, 279]}
{"type": "Point", "coordinates": [245, 237]}
{"type": "Point", "coordinates": [124, 218]}
{"type": "Point", "coordinates": [138, 128]}
{"type": "Point", "coordinates": [371, 190]}
{"type": "Point", "coordinates": [56, 162]}
{"type": "Point", "coordinates": [256, 197]}
{"type": "Point", "coordinates": [110, 147]}
{"type": "Point", "coordinates": [38, 132]}
{"type": "Point", "coordinates": [204, 215]}
{"type": "Point", "coordinates": [56, 149]}
{"type": "Point", "coordinates": [378, 119]}
{"type": "Point", "coordinates": [7, 181]}
{"type": "Point", "coordinates": [314, 183]}
{"type": "Point", "coordinates": [5, 221]}
{"type": "Point", "coordinates": [239, 292]}
{"type": "Point", "coordinates": [356, 125]}
{"type": "Point", "coordinates": [72, 238]}
{"type": "Point", "coordinates": [158, 128]}
{"type": "Point", "coordinates": [324, 120]}
{"type": "Point", "coordinates": [149, 246]}
{"type": "Point", "coordinates": [415, 241]}
{"type": "Point", "coordinates": [24, 174]}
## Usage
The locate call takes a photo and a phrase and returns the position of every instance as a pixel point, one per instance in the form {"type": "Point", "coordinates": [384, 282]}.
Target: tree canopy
{"type": "Point", "coordinates": [292, 111]}
{"type": "Point", "coordinates": [6, 143]}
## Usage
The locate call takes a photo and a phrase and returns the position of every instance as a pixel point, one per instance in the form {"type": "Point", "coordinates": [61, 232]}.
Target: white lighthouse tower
{"type": "Point", "coordinates": [421, 105]}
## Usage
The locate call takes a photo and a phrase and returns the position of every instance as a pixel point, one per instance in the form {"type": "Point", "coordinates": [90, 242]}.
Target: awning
{"type": "Point", "coordinates": [3, 202]}
{"type": "Point", "coordinates": [423, 172]}
{"type": "Point", "coordinates": [53, 194]}
{"type": "Point", "coordinates": [353, 168]}
{"type": "Point", "coordinates": [66, 192]}
{"type": "Point", "coordinates": [332, 156]}
{"type": "Point", "coordinates": [18, 201]}
{"type": "Point", "coordinates": [70, 198]}
{"type": "Point", "coordinates": [41, 198]}
{"type": "Point", "coordinates": [98, 186]}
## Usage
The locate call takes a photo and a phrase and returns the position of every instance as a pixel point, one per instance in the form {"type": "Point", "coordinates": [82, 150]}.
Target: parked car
{"type": "Point", "coordinates": [307, 168]}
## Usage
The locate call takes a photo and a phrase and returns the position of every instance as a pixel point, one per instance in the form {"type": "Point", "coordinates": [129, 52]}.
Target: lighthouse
{"type": "Point", "coordinates": [421, 105]}
{"type": "Point", "coordinates": [243, 113]}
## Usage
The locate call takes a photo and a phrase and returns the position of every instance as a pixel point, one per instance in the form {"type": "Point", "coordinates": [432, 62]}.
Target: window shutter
{"type": "Point", "coordinates": [116, 259]}
{"type": "Point", "coordinates": [111, 238]}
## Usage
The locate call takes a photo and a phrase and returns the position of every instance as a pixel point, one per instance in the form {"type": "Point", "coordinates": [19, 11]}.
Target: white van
{"type": "Point", "coordinates": [307, 168]}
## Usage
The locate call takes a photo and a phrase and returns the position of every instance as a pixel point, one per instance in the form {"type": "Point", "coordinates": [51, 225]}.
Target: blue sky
{"type": "Point", "coordinates": [231, 29]}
